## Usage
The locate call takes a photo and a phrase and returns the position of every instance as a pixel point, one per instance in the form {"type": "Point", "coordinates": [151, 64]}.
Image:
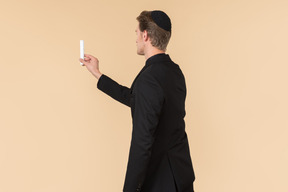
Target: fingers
{"type": "Point", "coordinates": [82, 61]}
{"type": "Point", "coordinates": [87, 59]}
{"type": "Point", "coordinates": [89, 56]}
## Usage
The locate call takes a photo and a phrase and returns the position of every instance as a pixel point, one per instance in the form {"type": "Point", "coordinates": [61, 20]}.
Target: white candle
{"type": "Point", "coordinates": [81, 50]}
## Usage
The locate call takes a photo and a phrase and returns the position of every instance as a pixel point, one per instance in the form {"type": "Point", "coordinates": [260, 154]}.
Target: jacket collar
{"type": "Point", "coordinates": [162, 57]}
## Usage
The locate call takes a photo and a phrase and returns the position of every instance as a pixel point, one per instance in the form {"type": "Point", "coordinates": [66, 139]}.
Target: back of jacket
{"type": "Point", "coordinates": [159, 157]}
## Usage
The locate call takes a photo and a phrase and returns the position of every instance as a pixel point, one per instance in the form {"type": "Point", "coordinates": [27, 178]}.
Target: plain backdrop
{"type": "Point", "coordinates": [59, 133]}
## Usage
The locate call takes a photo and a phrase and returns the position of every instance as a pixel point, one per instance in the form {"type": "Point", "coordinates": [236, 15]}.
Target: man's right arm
{"type": "Point", "coordinates": [114, 90]}
{"type": "Point", "coordinates": [106, 84]}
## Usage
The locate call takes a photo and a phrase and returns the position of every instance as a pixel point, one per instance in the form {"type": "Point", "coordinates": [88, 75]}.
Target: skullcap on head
{"type": "Point", "coordinates": [161, 19]}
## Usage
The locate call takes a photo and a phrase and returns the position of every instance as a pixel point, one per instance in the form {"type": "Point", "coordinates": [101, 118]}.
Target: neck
{"type": "Point", "coordinates": [152, 51]}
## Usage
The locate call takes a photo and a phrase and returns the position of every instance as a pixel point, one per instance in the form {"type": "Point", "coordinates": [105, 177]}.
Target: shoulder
{"type": "Point", "coordinates": [150, 81]}
{"type": "Point", "coordinates": [157, 70]}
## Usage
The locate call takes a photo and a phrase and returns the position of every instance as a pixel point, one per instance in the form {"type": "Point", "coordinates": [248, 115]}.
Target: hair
{"type": "Point", "coordinates": [158, 36]}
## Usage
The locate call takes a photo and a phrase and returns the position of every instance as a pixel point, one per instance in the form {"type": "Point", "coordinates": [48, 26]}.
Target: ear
{"type": "Point", "coordinates": [145, 35]}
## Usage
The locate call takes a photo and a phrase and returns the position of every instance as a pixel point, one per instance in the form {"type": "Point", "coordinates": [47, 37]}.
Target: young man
{"type": "Point", "coordinates": [159, 157]}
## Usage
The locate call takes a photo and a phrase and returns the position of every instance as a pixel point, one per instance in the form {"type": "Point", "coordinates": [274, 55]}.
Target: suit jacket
{"type": "Point", "coordinates": [159, 156]}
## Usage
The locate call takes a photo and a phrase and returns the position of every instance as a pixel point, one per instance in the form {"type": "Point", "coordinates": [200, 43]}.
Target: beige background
{"type": "Point", "coordinates": [59, 133]}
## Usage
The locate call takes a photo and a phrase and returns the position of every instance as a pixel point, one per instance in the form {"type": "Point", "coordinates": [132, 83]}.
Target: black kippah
{"type": "Point", "coordinates": [161, 19]}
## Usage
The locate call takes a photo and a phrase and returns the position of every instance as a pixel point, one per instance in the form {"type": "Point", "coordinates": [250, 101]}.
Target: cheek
{"type": "Point", "coordinates": [139, 40]}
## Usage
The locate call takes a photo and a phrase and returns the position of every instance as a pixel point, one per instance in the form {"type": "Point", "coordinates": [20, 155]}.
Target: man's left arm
{"type": "Point", "coordinates": [148, 99]}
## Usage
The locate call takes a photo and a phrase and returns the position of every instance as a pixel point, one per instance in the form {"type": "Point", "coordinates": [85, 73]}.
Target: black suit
{"type": "Point", "coordinates": [159, 157]}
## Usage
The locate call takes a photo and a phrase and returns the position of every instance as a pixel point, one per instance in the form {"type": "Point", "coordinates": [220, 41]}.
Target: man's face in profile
{"type": "Point", "coordinates": [139, 41]}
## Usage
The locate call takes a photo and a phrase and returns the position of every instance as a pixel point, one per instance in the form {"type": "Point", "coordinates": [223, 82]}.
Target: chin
{"type": "Point", "coordinates": [140, 52]}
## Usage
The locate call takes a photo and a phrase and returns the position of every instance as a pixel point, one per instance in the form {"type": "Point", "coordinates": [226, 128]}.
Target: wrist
{"type": "Point", "coordinates": [97, 75]}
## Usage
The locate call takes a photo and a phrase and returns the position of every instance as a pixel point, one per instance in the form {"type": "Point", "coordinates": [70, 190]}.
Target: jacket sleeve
{"type": "Point", "coordinates": [114, 90]}
{"type": "Point", "coordinates": [148, 101]}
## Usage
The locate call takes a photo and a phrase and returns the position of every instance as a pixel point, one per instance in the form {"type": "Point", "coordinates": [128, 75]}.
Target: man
{"type": "Point", "coordinates": [159, 157]}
